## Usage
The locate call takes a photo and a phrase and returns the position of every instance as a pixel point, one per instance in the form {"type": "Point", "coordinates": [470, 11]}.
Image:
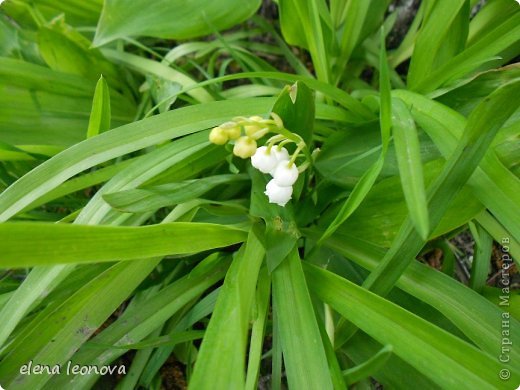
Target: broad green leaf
{"type": "Point", "coordinates": [491, 15]}
{"type": "Point", "coordinates": [384, 209]}
{"type": "Point", "coordinates": [355, 198]}
{"type": "Point", "coordinates": [482, 126]}
{"type": "Point", "coordinates": [30, 244]}
{"type": "Point", "coordinates": [295, 105]}
{"type": "Point", "coordinates": [346, 155]}
{"type": "Point", "coordinates": [503, 41]}
{"type": "Point", "coordinates": [495, 186]}
{"type": "Point", "coordinates": [100, 115]}
{"type": "Point", "coordinates": [117, 142]}
{"type": "Point", "coordinates": [50, 107]}
{"type": "Point", "coordinates": [436, 30]}
{"type": "Point", "coordinates": [173, 19]}
{"type": "Point", "coordinates": [222, 355]}
{"type": "Point", "coordinates": [153, 198]}
{"type": "Point", "coordinates": [366, 182]}
{"type": "Point", "coordinates": [476, 317]}
{"type": "Point", "coordinates": [64, 55]}
{"type": "Point", "coordinates": [78, 12]}
{"type": "Point", "coordinates": [442, 357]}
{"type": "Point", "coordinates": [410, 166]}
{"type": "Point", "coordinates": [467, 96]}
{"type": "Point", "coordinates": [303, 352]}
{"type": "Point", "coordinates": [66, 50]}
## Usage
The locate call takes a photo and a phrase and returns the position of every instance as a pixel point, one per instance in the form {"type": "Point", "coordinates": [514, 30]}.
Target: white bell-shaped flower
{"type": "Point", "coordinates": [277, 194]}
{"type": "Point", "coordinates": [281, 153]}
{"type": "Point", "coordinates": [264, 160]}
{"type": "Point", "coordinates": [285, 174]}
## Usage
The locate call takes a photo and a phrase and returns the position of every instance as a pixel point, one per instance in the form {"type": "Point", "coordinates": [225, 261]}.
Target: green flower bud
{"type": "Point", "coordinates": [218, 136]}
{"type": "Point", "coordinates": [228, 125]}
{"type": "Point", "coordinates": [244, 147]}
{"type": "Point", "coordinates": [234, 132]}
{"type": "Point", "coordinates": [252, 129]}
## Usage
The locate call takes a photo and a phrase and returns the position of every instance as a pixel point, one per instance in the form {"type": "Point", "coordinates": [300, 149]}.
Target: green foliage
{"type": "Point", "coordinates": [127, 237]}
{"type": "Point", "coordinates": [167, 19]}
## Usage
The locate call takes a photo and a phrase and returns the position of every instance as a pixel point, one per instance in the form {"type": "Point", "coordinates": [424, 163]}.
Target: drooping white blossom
{"type": "Point", "coordinates": [265, 159]}
{"type": "Point", "coordinates": [281, 153]}
{"type": "Point", "coordinates": [277, 194]}
{"type": "Point", "coordinates": [285, 174]}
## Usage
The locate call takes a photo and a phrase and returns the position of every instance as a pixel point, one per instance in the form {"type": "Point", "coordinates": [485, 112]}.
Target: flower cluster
{"type": "Point", "coordinates": [272, 159]}
{"type": "Point", "coordinates": [244, 131]}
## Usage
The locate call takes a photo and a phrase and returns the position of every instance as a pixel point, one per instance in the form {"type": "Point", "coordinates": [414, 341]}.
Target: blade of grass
{"type": "Point", "coordinates": [480, 265]}
{"type": "Point", "coordinates": [276, 352]}
{"type": "Point", "coordinates": [355, 13]}
{"type": "Point", "coordinates": [483, 124]}
{"type": "Point", "coordinates": [495, 186]}
{"type": "Point", "coordinates": [78, 325]}
{"type": "Point", "coordinates": [362, 347]}
{"type": "Point", "coordinates": [263, 295]}
{"type": "Point", "coordinates": [153, 198]}
{"type": "Point", "coordinates": [442, 357]}
{"type": "Point", "coordinates": [132, 326]}
{"type": "Point", "coordinates": [222, 355]}
{"type": "Point", "coordinates": [408, 155]}
{"type": "Point", "coordinates": [43, 279]}
{"type": "Point", "coordinates": [366, 182]}
{"type": "Point", "coordinates": [115, 143]}
{"type": "Point", "coordinates": [147, 66]}
{"type": "Point", "coordinates": [369, 367]}
{"type": "Point", "coordinates": [502, 37]}
{"type": "Point", "coordinates": [304, 355]}
{"type": "Point", "coordinates": [475, 316]}
{"type": "Point", "coordinates": [100, 115]}
{"type": "Point", "coordinates": [434, 31]}
{"type": "Point", "coordinates": [30, 244]}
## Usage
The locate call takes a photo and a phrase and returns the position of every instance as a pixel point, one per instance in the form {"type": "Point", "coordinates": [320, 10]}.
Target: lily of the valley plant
{"type": "Point", "coordinates": [243, 194]}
